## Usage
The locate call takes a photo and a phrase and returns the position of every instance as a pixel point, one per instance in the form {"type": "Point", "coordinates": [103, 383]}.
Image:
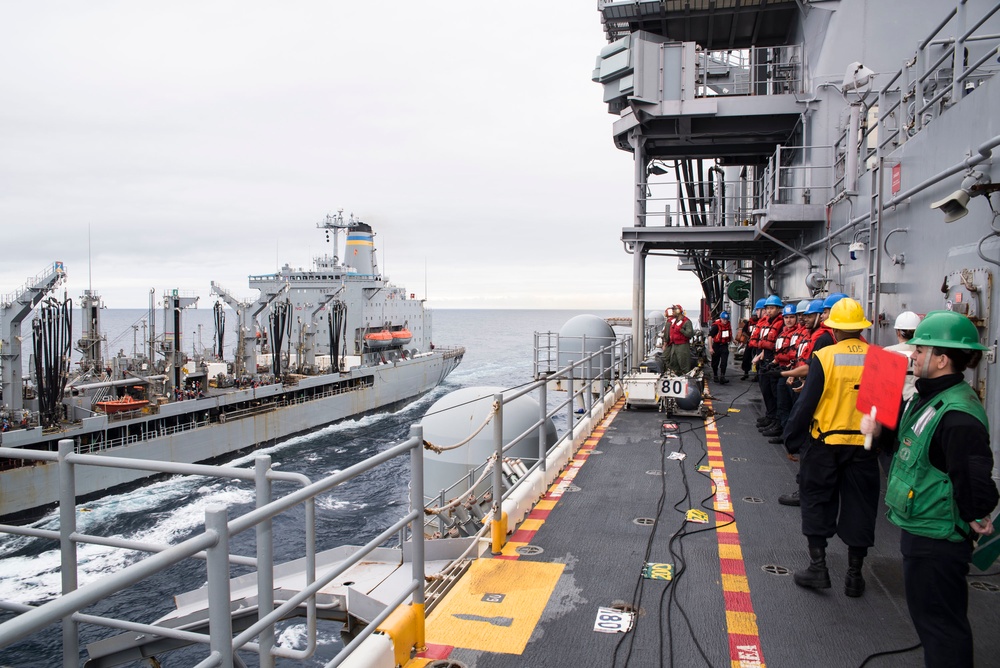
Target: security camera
{"type": "Point", "coordinates": [953, 206]}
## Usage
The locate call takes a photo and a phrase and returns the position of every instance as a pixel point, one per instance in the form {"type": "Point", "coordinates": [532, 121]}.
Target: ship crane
{"type": "Point", "coordinates": [307, 334]}
{"type": "Point", "coordinates": [246, 315]}
{"type": "Point", "coordinates": [14, 308]}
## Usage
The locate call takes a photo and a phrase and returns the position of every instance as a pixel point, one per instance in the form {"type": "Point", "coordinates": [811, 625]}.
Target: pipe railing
{"type": "Point", "coordinates": [211, 545]}
{"type": "Point", "coordinates": [619, 352]}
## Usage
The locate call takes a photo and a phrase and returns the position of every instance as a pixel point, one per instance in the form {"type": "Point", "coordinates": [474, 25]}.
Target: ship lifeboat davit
{"type": "Point", "coordinates": [400, 337]}
{"type": "Point", "coordinates": [126, 403]}
{"type": "Point", "coordinates": [378, 340]}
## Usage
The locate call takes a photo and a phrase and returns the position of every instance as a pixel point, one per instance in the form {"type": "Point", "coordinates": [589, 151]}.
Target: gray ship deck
{"type": "Point", "coordinates": [703, 616]}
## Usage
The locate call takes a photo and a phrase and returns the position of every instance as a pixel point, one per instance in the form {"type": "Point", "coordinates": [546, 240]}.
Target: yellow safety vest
{"type": "Point", "coordinates": [837, 421]}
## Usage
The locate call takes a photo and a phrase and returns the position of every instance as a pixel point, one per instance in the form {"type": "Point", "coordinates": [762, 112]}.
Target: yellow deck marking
{"type": "Point", "coordinates": [503, 627]}
{"type": "Point", "coordinates": [530, 525]}
{"type": "Point", "coordinates": [730, 552]}
{"type": "Point", "coordinates": [510, 549]}
{"type": "Point", "coordinates": [735, 583]}
{"type": "Point", "coordinates": [743, 623]}
{"type": "Point", "coordinates": [546, 504]}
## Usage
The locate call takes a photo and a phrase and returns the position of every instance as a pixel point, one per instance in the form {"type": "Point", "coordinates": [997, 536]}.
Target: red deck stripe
{"type": "Point", "coordinates": [744, 650]}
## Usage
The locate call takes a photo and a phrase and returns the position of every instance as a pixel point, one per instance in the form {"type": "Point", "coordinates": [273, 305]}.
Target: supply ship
{"type": "Point", "coordinates": [794, 148]}
{"type": "Point", "coordinates": [316, 346]}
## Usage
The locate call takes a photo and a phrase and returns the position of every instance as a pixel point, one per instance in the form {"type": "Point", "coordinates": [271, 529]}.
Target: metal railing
{"type": "Point", "coordinates": [928, 84]}
{"type": "Point", "coordinates": [773, 70]}
{"type": "Point", "coordinates": [33, 283]}
{"type": "Point", "coordinates": [699, 203]}
{"type": "Point", "coordinates": [799, 175]}
{"type": "Point", "coordinates": [212, 545]}
{"type": "Point", "coordinates": [601, 367]}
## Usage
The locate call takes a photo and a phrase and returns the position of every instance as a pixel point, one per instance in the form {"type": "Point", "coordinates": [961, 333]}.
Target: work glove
{"type": "Point", "coordinates": [870, 425]}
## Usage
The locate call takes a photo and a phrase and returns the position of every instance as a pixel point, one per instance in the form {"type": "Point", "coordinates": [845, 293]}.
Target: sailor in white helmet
{"type": "Point", "coordinates": [906, 323]}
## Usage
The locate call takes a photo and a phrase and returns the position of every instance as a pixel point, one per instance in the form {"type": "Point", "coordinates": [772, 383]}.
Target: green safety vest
{"type": "Point", "coordinates": [919, 495]}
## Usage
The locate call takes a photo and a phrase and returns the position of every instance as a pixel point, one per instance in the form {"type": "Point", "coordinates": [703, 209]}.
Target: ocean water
{"type": "Point", "coordinates": [498, 347]}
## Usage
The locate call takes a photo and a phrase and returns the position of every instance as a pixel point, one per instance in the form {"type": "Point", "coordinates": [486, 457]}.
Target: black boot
{"type": "Point", "coordinates": [715, 378]}
{"type": "Point", "coordinates": [722, 380]}
{"type": "Point", "coordinates": [816, 576]}
{"type": "Point", "coordinates": [790, 499]}
{"type": "Point", "coordinates": [854, 583]}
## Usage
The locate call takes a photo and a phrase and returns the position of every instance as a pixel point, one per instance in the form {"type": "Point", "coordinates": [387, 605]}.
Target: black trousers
{"type": "Point", "coordinates": [938, 597]}
{"type": "Point", "coordinates": [747, 362]}
{"type": "Point", "coordinates": [784, 398]}
{"type": "Point", "coordinates": [720, 358]}
{"type": "Point", "coordinates": [838, 492]}
{"type": "Point", "coordinates": [769, 392]}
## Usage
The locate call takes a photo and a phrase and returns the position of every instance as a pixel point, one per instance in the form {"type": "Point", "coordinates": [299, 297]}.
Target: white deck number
{"type": "Point", "coordinates": [610, 620]}
{"type": "Point", "coordinates": [672, 386]}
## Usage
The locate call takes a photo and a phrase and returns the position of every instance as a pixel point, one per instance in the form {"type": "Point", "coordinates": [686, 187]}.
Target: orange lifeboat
{"type": "Point", "coordinates": [401, 337]}
{"type": "Point", "coordinates": [378, 340]}
{"type": "Point", "coordinates": [126, 403]}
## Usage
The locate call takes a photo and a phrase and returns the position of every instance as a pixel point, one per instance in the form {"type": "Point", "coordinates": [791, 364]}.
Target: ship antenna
{"type": "Point", "coordinates": [90, 263]}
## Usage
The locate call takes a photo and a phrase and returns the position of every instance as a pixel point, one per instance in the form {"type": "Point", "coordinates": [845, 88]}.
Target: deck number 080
{"type": "Point", "coordinates": [673, 387]}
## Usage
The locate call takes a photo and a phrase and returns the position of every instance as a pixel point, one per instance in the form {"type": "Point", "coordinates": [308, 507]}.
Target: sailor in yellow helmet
{"type": "Point", "coordinates": [839, 479]}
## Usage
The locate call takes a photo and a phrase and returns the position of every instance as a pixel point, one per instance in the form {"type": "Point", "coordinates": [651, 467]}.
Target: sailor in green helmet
{"type": "Point", "coordinates": [940, 491]}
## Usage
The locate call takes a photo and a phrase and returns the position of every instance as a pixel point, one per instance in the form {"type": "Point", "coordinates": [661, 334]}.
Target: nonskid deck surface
{"type": "Point", "coordinates": [731, 601]}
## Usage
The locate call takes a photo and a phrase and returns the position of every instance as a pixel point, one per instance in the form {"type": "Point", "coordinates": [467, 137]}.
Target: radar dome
{"type": "Point", "coordinates": [453, 417]}
{"type": "Point", "coordinates": [582, 336]}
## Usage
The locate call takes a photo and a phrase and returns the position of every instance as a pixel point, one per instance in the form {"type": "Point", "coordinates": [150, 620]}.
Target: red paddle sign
{"type": "Point", "coordinates": [882, 385]}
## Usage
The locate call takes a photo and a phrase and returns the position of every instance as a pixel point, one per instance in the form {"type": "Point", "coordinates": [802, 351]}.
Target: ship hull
{"type": "Point", "coordinates": [27, 492]}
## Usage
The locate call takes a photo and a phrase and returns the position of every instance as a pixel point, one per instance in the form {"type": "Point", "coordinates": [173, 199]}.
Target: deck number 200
{"type": "Point", "coordinates": [673, 387]}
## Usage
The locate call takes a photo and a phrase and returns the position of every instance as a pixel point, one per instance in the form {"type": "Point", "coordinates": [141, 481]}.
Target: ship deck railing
{"type": "Point", "coordinates": [457, 509]}
{"type": "Point", "coordinates": [212, 545]}
{"type": "Point", "coordinates": [930, 76]}
{"type": "Point", "coordinates": [770, 70]}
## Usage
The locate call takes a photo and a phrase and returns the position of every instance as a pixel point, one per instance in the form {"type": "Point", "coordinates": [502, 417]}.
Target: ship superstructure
{"type": "Point", "coordinates": [316, 346]}
{"type": "Point", "coordinates": [806, 148]}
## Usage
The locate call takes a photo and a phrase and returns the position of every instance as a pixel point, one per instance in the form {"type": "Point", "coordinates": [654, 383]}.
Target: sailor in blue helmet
{"type": "Point", "coordinates": [747, 334]}
{"type": "Point", "coordinates": [769, 327]}
{"type": "Point", "coordinates": [722, 335]}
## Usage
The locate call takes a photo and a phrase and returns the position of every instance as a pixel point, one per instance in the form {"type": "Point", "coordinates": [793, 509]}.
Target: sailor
{"type": "Point", "coordinates": [770, 326]}
{"type": "Point", "coordinates": [940, 491]}
{"type": "Point", "coordinates": [722, 334]}
{"type": "Point", "coordinates": [784, 358]}
{"type": "Point", "coordinates": [750, 348]}
{"type": "Point", "coordinates": [679, 331]}
{"type": "Point", "coordinates": [839, 479]}
{"type": "Point", "coordinates": [812, 329]}
{"type": "Point", "coordinates": [906, 323]}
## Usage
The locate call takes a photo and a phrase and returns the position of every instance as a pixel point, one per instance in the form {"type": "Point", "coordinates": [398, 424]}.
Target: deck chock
{"type": "Point", "coordinates": [405, 627]}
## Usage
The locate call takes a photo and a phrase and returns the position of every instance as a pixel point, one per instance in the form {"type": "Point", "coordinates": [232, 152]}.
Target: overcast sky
{"type": "Point", "coordinates": [203, 141]}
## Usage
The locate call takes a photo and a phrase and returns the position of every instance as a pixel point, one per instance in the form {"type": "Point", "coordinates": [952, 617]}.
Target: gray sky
{"type": "Point", "coordinates": [203, 141]}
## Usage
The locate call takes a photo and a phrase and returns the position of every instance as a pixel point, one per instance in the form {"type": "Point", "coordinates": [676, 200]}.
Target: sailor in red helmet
{"type": "Point", "coordinates": [677, 340]}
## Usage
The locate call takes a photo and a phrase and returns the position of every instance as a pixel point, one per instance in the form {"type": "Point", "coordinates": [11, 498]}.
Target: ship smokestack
{"type": "Point", "coordinates": [360, 250]}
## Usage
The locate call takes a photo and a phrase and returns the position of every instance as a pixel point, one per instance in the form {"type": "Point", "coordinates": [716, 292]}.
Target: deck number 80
{"type": "Point", "coordinates": [673, 387]}
{"type": "Point", "coordinates": [610, 620]}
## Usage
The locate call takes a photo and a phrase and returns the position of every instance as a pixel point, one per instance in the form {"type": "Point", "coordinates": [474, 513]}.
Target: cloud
{"type": "Point", "coordinates": [188, 142]}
